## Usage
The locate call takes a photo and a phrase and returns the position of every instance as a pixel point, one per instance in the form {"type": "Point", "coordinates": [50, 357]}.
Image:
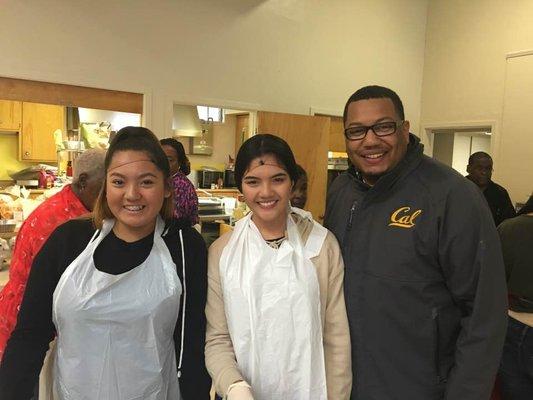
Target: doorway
{"type": "Point", "coordinates": [453, 147]}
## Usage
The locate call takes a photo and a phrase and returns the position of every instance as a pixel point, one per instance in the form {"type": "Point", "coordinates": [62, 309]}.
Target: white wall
{"type": "Point", "coordinates": [461, 152]}
{"type": "Point", "coordinates": [464, 62]}
{"type": "Point", "coordinates": [223, 144]}
{"type": "Point", "coordinates": [276, 55]}
{"type": "Point", "coordinates": [516, 125]}
{"type": "Point", "coordinates": [443, 147]}
{"type": "Point", "coordinates": [465, 69]}
{"type": "Point", "coordinates": [480, 143]}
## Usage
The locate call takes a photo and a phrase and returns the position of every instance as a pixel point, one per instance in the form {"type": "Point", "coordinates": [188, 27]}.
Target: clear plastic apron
{"type": "Point", "coordinates": [272, 304]}
{"type": "Point", "coordinates": [115, 332]}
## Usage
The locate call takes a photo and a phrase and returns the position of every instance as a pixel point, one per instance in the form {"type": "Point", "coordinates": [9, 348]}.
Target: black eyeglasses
{"type": "Point", "coordinates": [380, 129]}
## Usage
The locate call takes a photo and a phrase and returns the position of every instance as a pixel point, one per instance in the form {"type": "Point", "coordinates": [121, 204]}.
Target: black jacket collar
{"type": "Point", "coordinates": [412, 158]}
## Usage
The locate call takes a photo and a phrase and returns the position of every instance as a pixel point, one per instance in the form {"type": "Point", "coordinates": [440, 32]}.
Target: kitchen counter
{"type": "Point", "coordinates": [214, 217]}
{"type": "Point", "coordinates": [214, 204]}
{"type": "Point", "coordinates": [231, 192]}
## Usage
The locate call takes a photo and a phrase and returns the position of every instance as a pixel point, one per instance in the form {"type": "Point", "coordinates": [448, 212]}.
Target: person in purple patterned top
{"type": "Point", "coordinates": [185, 198]}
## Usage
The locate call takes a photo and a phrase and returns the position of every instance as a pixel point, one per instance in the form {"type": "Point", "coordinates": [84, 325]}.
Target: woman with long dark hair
{"type": "Point", "coordinates": [124, 293]}
{"type": "Point", "coordinates": [185, 198]}
{"type": "Point", "coordinates": [276, 319]}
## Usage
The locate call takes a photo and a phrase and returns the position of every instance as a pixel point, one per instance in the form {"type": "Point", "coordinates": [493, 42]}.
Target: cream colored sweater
{"type": "Point", "coordinates": [219, 354]}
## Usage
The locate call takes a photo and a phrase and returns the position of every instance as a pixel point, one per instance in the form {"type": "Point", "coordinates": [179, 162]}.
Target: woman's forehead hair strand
{"type": "Point", "coordinates": [262, 162]}
{"type": "Point", "coordinates": [129, 162]}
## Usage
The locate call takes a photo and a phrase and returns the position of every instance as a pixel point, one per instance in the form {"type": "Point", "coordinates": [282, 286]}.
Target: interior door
{"type": "Point", "coordinates": [336, 135]}
{"type": "Point", "coordinates": [308, 137]}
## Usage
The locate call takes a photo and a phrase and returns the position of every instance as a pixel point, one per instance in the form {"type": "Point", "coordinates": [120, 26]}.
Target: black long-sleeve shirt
{"type": "Point", "coordinates": [29, 341]}
{"type": "Point", "coordinates": [499, 201]}
{"type": "Point", "coordinates": [516, 235]}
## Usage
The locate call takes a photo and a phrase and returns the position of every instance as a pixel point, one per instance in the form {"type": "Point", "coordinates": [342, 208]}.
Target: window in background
{"type": "Point", "coordinates": [210, 114]}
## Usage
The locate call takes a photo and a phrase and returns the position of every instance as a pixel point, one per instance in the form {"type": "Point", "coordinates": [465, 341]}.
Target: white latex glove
{"type": "Point", "coordinates": [240, 391]}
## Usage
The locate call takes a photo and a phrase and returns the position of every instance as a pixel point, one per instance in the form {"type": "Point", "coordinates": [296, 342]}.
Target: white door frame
{"type": "Point", "coordinates": [428, 128]}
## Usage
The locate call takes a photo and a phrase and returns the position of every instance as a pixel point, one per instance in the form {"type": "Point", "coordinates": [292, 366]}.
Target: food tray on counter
{"type": "Point", "coordinates": [7, 225]}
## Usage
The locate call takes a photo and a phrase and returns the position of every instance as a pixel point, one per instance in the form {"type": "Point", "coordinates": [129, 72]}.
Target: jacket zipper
{"type": "Point", "coordinates": [345, 240]}
{"type": "Point", "coordinates": [352, 211]}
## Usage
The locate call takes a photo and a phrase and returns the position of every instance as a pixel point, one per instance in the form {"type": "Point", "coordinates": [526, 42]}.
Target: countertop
{"type": "Point", "coordinates": [214, 217]}
{"type": "Point", "coordinates": [218, 192]}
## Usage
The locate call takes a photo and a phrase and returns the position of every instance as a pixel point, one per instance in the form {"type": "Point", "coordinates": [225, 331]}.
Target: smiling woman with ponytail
{"type": "Point", "coordinates": [124, 293]}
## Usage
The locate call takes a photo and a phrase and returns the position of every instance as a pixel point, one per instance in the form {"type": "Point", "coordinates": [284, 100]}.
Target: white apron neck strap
{"type": "Point", "coordinates": [107, 225]}
{"type": "Point", "coordinates": [316, 238]}
{"type": "Point", "coordinates": [95, 234]}
{"type": "Point", "coordinates": [159, 227]}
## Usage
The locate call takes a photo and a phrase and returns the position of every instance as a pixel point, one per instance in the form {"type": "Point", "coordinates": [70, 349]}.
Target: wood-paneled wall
{"type": "Point", "coordinates": [336, 135]}
{"type": "Point", "coordinates": [308, 137]}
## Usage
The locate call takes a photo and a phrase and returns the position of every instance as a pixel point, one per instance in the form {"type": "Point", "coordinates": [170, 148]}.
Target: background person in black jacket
{"type": "Point", "coordinates": [424, 278]}
{"type": "Point", "coordinates": [516, 368]}
{"type": "Point", "coordinates": [124, 292]}
{"type": "Point", "coordinates": [480, 167]}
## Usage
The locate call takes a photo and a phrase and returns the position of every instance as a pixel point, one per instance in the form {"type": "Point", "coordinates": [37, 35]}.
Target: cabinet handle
{"type": "Point", "coordinates": [26, 153]}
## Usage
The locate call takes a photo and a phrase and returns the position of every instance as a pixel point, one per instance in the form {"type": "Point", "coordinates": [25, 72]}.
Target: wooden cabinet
{"type": "Point", "coordinates": [10, 115]}
{"type": "Point", "coordinates": [336, 135]}
{"type": "Point", "coordinates": [308, 137]}
{"type": "Point", "coordinates": [39, 121]}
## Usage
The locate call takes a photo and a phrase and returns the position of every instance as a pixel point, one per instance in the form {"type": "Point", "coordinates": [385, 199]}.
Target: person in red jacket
{"type": "Point", "coordinates": [71, 202]}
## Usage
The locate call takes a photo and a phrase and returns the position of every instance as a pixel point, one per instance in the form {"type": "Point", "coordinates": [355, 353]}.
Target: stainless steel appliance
{"type": "Point", "coordinates": [336, 166]}
{"type": "Point", "coordinates": [229, 178]}
{"type": "Point", "coordinates": [210, 207]}
{"type": "Point", "coordinates": [208, 177]}
{"type": "Point", "coordinates": [338, 163]}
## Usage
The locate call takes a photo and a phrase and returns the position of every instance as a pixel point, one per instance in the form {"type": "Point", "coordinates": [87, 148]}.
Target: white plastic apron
{"type": "Point", "coordinates": [272, 304]}
{"type": "Point", "coordinates": [115, 332]}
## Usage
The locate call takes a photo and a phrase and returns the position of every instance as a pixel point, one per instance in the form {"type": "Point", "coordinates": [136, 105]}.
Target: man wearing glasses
{"type": "Point", "coordinates": [424, 276]}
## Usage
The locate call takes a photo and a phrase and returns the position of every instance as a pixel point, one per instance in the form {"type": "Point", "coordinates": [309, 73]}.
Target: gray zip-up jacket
{"type": "Point", "coordinates": [424, 282]}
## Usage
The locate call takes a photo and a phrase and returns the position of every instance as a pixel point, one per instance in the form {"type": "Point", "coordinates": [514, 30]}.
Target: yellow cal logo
{"type": "Point", "coordinates": [403, 218]}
